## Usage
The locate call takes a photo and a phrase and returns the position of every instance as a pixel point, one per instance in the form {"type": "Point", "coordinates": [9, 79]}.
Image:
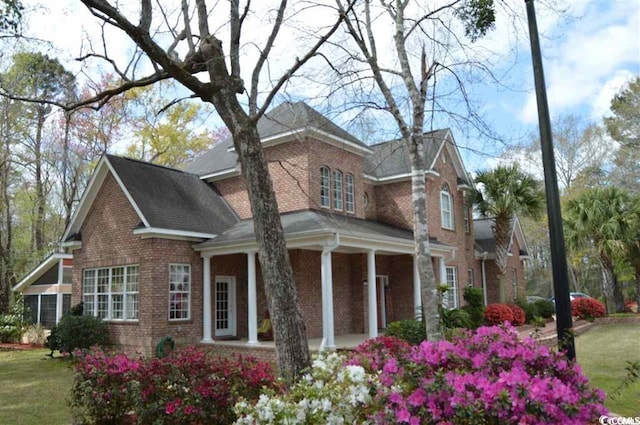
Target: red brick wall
{"type": "Point", "coordinates": [513, 262]}
{"type": "Point", "coordinates": [295, 172]}
{"type": "Point", "coordinates": [108, 240]}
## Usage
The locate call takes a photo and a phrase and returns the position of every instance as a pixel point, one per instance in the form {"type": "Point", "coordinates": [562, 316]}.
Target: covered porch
{"type": "Point", "coordinates": [340, 260]}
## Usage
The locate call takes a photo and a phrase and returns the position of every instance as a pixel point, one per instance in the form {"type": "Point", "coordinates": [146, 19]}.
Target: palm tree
{"type": "Point", "coordinates": [603, 217]}
{"type": "Point", "coordinates": [501, 194]}
{"type": "Point", "coordinates": [632, 241]}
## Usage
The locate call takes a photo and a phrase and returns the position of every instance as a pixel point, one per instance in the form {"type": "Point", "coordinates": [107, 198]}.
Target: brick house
{"type": "Point", "coordinates": [159, 251]}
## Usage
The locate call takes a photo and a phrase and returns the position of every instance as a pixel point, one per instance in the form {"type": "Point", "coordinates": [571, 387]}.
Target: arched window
{"type": "Point", "coordinates": [325, 181]}
{"type": "Point", "coordinates": [446, 207]}
{"type": "Point", "coordinates": [337, 189]}
{"type": "Point", "coordinates": [349, 195]}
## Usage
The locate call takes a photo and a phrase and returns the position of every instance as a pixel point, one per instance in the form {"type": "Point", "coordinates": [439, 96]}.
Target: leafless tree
{"type": "Point", "coordinates": [180, 42]}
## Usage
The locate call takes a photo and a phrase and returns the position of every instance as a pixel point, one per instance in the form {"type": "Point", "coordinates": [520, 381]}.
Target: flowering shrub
{"type": "Point", "coordinates": [487, 377]}
{"type": "Point", "coordinates": [330, 393]}
{"type": "Point", "coordinates": [519, 316]}
{"type": "Point", "coordinates": [104, 386]}
{"type": "Point", "coordinates": [186, 388]}
{"type": "Point", "coordinates": [497, 314]}
{"type": "Point", "coordinates": [374, 353]}
{"type": "Point", "coordinates": [587, 308]}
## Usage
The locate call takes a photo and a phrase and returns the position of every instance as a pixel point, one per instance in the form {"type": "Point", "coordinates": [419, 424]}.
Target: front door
{"type": "Point", "coordinates": [382, 283]}
{"type": "Point", "coordinates": [225, 304]}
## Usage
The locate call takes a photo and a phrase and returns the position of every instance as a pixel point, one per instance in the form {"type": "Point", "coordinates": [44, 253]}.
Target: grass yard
{"type": "Point", "coordinates": [34, 388]}
{"type": "Point", "coordinates": [603, 352]}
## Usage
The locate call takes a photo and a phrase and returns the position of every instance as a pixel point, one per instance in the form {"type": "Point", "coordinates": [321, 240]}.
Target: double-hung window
{"type": "Point", "coordinates": [325, 182]}
{"type": "Point", "coordinates": [179, 291]}
{"type": "Point", "coordinates": [446, 207]}
{"type": "Point", "coordinates": [349, 195]}
{"type": "Point", "coordinates": [337, 190]}
{"type": "Point", "coordinates": [111, 293]}
{"type": "Point", "coordinates": [451, 296]}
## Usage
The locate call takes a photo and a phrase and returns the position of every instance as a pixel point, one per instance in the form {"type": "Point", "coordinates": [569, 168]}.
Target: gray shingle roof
{"type": "Point", "coordinates": [282, 119]}
{"type": "Point", "coordinates": [173, 199]}
{"type": "Point", "coordinates": [392, 157]}
{"type": "Point", "coordinates": [310, 221]}
{"type": "Point", "coordinates": [483, 234]}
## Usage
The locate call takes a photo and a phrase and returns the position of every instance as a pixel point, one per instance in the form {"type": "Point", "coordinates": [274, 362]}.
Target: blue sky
{"type": "Point", "coordinates": [589, 51]}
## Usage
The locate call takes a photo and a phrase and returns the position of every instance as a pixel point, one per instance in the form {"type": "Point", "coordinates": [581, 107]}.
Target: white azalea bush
{"type": "Point", "coordinates": [330, 393]}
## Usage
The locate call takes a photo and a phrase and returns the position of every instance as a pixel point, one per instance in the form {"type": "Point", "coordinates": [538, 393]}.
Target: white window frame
{"type": "Point", "coordinates": [470, 277]}
{"type": "Point", "coordinates": [452, 283]}
{"type": "Point", "coordinates": [184, 272]}
{"type": "Point", "coordinates": [130, 291]}
{"type": "Point", "coordinates": [446, 208]}
{"type": "Point", "coordinates": [325, 187]}
{"type": "Point", "coordinates": [349, 193]}
{"type": "Point", "coordinates": [337, 190]}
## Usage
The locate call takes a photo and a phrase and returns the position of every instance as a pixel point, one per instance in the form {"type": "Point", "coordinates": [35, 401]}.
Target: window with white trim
{"type": "Point", "coordinates": [515, 283]}
{"type": "Point", "coordinates": [111, 293]}
{"type": "Point", "coordinates": [179, 292]}
{"type": "Point", "coordinates": [349, 195]}
{"type": "Point", "coordinates": [337, 190]}
{"type": "Point", "coordinates": [446, 207]}
{"type": "Point", "coordinates": [325, 182]}
{"type": "Point", "coordinates": [470, 276]}
{"type": "Point", "coordinates": [451, 296]}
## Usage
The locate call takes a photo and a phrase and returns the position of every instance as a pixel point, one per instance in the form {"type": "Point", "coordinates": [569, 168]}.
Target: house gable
{"type": "Point", "coordinates": [46, 272]}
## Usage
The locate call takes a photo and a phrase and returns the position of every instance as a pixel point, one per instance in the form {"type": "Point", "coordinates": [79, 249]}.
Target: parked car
{"type": "Point", "coordinates": [574, 296]}
{"type": "Point", "coordinates": [534, 298]}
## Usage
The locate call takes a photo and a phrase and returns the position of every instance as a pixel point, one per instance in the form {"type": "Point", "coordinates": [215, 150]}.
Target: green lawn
{"type": "Point", "coordinates": [603, 352]}
{"type": "Point", "coordinates": [34, 388]}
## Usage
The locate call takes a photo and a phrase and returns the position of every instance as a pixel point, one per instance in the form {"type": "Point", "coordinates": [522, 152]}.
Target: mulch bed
{"type": "Point", "coordinates": [9, 346]}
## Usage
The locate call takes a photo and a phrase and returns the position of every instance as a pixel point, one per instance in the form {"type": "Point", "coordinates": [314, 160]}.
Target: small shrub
{"type": "Point", "coordinates": [497, 314]}
{"type": "Point", "coordinates": [374, 353]}
{"type": "Point", "coordinates": [475, 306]}
{"type": "Point", "coordinates": [412, 331]}
{"type": "Point", "coordinates": [455, 318]}
{"type": "Point", "coordinates": [34, 335]}
{"type": "Point", "coordinates": [587, 308]}
{"type": "Point", "coordinates": [105, 387]}
{"type": "Point", "coordinates": [13, 324]}
{"type": "Point", "coordinates": [530, 310]}
{"type": "Point", "coordinates": [185, 388]}
{"type": "Point", "coordinates": [519, 316]}
{"type": "Point", "coordinates": [329, 393]}
{"type": "Point", "coordinates": [546, 309]}
{"type": "Point", "coordinates": [78, 332]}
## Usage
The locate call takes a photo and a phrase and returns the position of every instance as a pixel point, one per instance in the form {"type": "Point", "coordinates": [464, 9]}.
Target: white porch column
{"type": "Point", "coordinates": [372, 304]}
{"type": "Point", "coordinates": [328, 341]}
{"type": "Point", "coordinates": [206, 302]}
{"type": "Point", "coordinates": [417, 294]}
{"type": "Point", "coordinates": [58, 294]}
{"type": "Point", "coordinates": [252, 298]}
{"type": "Point", "coordinates": [443, 271]}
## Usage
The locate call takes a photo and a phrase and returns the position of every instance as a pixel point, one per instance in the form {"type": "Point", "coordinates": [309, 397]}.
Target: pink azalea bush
{"type": "Point", "coordinates": [188, 387]}
{"type": "Point", "coordinates": [490, 377]}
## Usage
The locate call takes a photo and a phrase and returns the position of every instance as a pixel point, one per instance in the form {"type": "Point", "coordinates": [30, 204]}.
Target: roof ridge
{"type": "Point", "coordinates": [139, 161]}
{"type": "Point", "coordinates": [426, 133]}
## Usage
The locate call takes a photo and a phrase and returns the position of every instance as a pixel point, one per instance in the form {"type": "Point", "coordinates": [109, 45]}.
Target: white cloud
{"type": "Point", "coordinates": [597, 52]}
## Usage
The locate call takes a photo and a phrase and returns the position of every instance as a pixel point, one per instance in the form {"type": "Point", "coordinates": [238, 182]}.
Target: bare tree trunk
{"type": "Point", "coordinates": [574, 278]}
{"type": "Point", "coordinates": [40, 198]}
{"type": "Point", "coordinates": [428, 286]}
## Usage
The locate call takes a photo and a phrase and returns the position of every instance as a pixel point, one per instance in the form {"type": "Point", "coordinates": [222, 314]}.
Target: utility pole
{"type": "Point", "coordinates": [556, 235]}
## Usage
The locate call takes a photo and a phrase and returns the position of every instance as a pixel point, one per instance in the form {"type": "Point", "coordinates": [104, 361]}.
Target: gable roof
{"type": "Point", "coordinates": [391, 159]}
{"type": "Point", "coordinates": [47, 264]}
{"type": "Point", "coordinates": [485, 241]}
{"type": "Point", "coordinates": [285, 121]}
{"type": "Point", "coordinates": [166, 200]}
